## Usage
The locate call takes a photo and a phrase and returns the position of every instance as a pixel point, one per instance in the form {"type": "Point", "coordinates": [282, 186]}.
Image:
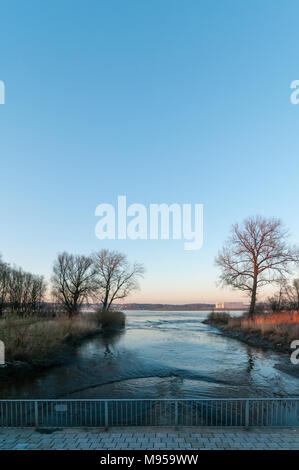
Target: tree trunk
{"type": "Point", "coordinates": [105, 301]}
{"type": "Point", "coordinates": [253, 299]}
{"type": "Point", "coordinates": [72, 311]}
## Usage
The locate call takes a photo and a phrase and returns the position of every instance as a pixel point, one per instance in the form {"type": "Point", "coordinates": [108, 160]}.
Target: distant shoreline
{"type": "Point", "coordinates": [184, 309]}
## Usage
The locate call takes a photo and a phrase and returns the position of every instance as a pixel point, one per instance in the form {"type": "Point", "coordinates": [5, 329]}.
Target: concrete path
{"type": "Point", "coordinates": [148, 439]}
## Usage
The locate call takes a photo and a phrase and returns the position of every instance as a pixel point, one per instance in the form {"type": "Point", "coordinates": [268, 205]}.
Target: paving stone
{"type": "Point", "coordinates": [26, 439]}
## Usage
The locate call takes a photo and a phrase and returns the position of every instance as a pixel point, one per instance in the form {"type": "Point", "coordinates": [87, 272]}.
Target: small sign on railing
{"type": "Point", "coordinates": [61, 408]}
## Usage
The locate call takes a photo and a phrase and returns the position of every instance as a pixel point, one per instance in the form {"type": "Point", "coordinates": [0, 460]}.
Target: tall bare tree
{"type": "Point", "coordinates": [116, 277]}
{"type": "Point", "coordinates": [73, 281]}
{"type": "Point", "coordinates": [256, 254]}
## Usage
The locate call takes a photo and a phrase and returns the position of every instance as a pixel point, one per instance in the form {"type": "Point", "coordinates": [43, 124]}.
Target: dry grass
{"type": "Point", "coordinates": [32, 338]}
{"type": "Point", "coordinates": [279, 328]}
{"type": "Point", "coordinates": [282, 327]}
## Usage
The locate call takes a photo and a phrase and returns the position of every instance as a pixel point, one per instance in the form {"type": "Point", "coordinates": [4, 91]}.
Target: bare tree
{"type": "Point", "coordinates": [73, 281]}
{"type": "Point", "coordinates": [16, 289]}
{"type": "Point", "coordinates": [256, 254]}
{"type": "Point", "coordinates": [116, 277]}
{"type": "Point", "coordinates": [37, 294]}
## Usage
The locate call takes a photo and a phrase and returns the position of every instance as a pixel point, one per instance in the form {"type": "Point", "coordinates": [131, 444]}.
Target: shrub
{"type": "Point", "coordinates": [219, 318]}
{"type": "Point", "coordinates": [111, 319]}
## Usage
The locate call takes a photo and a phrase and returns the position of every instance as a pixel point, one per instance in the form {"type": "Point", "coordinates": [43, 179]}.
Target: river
{"type": "Point", "coordinates": [161, 355]}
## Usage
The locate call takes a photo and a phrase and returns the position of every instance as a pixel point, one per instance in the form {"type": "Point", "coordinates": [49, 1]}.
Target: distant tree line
{"type": "Point", "coordinates": [20, 291]}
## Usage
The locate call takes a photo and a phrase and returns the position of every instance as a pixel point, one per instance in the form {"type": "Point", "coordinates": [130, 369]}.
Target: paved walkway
{"type": "Point", "coordinates": [148, 439]}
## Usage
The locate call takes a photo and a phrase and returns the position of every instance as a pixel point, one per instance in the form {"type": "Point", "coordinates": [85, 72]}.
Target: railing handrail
{"type": "Point", "coordinates": [143, 399]}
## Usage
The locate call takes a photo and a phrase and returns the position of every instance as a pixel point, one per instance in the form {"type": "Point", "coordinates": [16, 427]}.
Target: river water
{"type": "Point", "coordinates": [161, 355]}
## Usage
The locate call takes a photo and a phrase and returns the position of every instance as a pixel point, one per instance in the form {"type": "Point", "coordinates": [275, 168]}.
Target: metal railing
{"type": "Point", "coordinates": [283, 412]}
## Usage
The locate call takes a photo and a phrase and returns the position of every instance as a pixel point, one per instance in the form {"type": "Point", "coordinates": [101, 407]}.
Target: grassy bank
{"type": "Point", "coordinates": [275, 330]}
{"type": "Point", "coordinates": [31, 338]}
{"type": "Point", "coordinates": [35, 340]}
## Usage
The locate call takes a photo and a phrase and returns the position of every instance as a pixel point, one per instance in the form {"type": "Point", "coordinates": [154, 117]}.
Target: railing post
{"type": "Point", "coordinates": [176, 413]}
{"type": "Point", "coordinates": [247, 414]}
{"type": "Point", "coordinates": [106, 415]}
{"type": "Point", "coordinates": [36, 414]}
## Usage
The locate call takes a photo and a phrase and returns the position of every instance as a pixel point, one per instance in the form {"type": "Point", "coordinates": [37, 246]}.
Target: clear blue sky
{"type": "Point", "coordinates": [164, 101]}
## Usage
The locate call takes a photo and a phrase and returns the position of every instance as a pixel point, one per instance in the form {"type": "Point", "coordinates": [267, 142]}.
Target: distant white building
{"type": "Point", "coordinates": [228, 305]}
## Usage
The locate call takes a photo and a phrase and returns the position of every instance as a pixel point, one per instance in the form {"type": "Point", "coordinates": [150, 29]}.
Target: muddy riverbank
{"type": "Point", "coordinates": [253, 338]}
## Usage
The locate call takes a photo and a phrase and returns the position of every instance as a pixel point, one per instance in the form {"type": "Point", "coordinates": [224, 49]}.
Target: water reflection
{"type": "Point", "coordinates": [108, 339]}
{"type": "Point", "coordinates": [250, 360]}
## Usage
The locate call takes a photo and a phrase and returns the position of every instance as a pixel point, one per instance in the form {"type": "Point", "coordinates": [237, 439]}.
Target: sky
{"type": "Point", "coordinates": [161, 101]}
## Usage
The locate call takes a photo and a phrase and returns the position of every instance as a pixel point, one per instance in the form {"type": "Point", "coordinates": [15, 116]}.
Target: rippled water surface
{"type": "Point", "coordinates": [161, 354]}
